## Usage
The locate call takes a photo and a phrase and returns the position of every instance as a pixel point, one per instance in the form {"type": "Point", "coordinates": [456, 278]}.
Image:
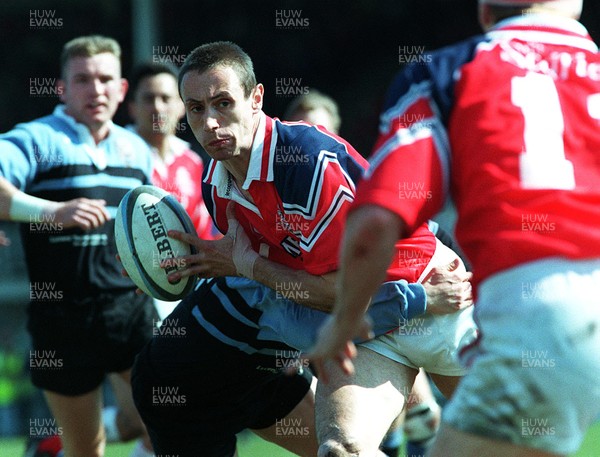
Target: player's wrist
{"type": "Point", "coordinates": [27, 208]}
{"type": "Point", "coordinates": [244, 259]}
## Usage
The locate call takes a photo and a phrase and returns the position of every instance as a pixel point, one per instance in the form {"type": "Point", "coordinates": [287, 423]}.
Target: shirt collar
{"type": "Point", "coordinates": [545, 28]}
{"type": "Point", "coordinates": [260, 166]}
{"type": "Point", "coordinates": [83, 132]}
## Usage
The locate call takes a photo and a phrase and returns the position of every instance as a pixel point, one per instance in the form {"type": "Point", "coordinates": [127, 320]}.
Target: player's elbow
{"type": "Point", "coordinates": [370, 223]}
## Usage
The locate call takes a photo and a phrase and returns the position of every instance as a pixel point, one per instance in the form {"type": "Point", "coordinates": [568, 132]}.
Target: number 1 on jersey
{"type": "Point", "coordinates": [543, 164]}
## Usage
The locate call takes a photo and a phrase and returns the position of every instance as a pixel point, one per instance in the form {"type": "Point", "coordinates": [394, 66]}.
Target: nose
{"type": "Point", "coordinates": [157, 104]}
{"type": "Point", "coordinates": [97, 86]}
{"type": "Point", "coordinates": [210, 121]}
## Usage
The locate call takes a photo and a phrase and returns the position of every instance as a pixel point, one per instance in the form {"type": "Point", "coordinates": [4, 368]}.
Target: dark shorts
{"type": "Point", "coordinates": [195, 393]}
{"type": "Point", "coordinates": [74, 345]}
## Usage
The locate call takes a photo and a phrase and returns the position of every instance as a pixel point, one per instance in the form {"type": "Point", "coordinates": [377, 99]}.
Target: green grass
{"type": "Point", "coordinates": [249, 445]}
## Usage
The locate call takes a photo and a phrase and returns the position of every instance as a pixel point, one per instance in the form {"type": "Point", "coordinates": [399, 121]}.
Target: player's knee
{"type": "Point", "coordinates": [333, 448]}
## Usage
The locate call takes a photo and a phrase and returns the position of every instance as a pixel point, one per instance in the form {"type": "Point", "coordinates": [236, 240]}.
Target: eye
{"type": "Point", "coordinates": [224, 104]}
{"type": "Point", "coordinates": [195, 109]}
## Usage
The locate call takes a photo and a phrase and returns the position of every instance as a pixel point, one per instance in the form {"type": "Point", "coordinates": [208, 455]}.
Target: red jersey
{"type": "Point", "coordinates": [509, 124]}
{"type": "Point", "coordinates": [181, 174]}
{"type": "Point", "coordinates": [302, 181]}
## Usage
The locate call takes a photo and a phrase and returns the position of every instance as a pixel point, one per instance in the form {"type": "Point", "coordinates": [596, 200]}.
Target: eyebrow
{"type": "Point", "coordinates": [223, 93]}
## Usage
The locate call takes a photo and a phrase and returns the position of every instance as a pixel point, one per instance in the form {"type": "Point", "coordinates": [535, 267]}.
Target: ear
{"type": "Point", "coordinates": [257, 97]}
{"type": "Point", "coordinates": [124, 87]}
{"type": "Point", "coordinates": [60, 90]}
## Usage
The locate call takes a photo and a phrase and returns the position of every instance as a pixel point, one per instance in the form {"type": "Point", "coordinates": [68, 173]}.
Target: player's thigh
{"type": "Point", "coordinates": [80, 421]}
{"type": "Point", "coordinates": [451, 442]}
{"type": "Point", "coordinates": [356, 411]}
{"type": "Point", "coordinates": [296, 432]}
{"type": "Point", "coordinates": [446, 384]}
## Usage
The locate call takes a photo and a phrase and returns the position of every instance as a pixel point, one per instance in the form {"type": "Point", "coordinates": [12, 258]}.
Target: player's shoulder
{"type": "Point", "coordinates": [433, 74]}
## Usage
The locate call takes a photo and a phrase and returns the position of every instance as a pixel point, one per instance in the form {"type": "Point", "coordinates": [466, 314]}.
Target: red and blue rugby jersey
{"type": "Point", "coordinates": [302, 180]}
{"type": "Point", "coordinates": [509, 124]}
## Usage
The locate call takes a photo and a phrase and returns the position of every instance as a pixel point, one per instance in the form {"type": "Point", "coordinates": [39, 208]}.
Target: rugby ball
{"type": "Point", "coordinates": [144, 217]}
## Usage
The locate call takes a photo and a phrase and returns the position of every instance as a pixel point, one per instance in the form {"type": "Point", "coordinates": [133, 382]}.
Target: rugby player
{"type": "Point", "coordinates": [62, 176]}
{"type": "Point", "coordinates": [510, 129]}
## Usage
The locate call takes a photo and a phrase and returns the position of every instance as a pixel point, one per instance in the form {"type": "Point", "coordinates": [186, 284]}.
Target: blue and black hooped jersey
{"type": "Point", "coordinates": [56, 158]}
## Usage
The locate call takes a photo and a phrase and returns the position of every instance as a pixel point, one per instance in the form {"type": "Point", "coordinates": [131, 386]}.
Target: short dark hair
{"type": "Point", "coordinates": [146, 70]}
{"type": "Point", "coordinates": [88, 46]}
{"type": "Point", "coordinates": [211, 55]}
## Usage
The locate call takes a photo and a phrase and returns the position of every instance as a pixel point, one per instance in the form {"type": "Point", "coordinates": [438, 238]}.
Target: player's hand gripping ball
{"type": "Point", "coordinates": [144, 217]}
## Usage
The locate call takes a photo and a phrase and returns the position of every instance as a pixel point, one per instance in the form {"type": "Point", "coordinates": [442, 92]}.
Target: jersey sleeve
{"type": "Point", "coordinates": [18, 153]}
{"type": "Point", "coordinates": [316, 197]}
{"type": "Point", "coordinates": [409, 170]}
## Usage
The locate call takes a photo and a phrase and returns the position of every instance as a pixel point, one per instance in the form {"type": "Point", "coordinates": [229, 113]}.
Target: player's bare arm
{"type": "Point", "coordinates": [364, 261]}
{"type": "Point", "coordinates": [233, 255]}
{"type": "Point", "coordinates": [81, 212]}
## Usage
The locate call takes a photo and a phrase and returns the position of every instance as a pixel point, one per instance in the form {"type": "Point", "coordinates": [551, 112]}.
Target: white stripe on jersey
{"type": "Point", "coordinates": [342, 196]}
{"type": "Point", "coordinates": [312, 203]}
{"type": "Point", "coordinates": [425, 128]}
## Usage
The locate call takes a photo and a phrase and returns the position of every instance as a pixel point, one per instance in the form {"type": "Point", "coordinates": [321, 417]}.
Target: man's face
{"type": "Point", "coordinates": [156, 107]}
{"type": "Point", "coordinates": [220, 115]}
{"type": "Point", "coordinates": [92, 89]}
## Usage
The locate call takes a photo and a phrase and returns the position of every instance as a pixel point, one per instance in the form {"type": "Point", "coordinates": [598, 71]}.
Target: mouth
{"type": "Point", "coordinates": [219, 142]}
{"type": "Point", "coordinates": [96, 107]}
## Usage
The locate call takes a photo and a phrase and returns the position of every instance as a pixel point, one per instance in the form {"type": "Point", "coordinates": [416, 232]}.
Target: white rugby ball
{"type": "Point", "coordinates": [144, 217]}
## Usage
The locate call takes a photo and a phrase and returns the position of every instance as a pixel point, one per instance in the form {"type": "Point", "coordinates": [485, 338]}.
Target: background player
{"type": "Point", "coordinates": [316, 108]}
{"type": "Point", "coordinates": [156, 109]}
{"type": "Point", "coordinates": [63, 176]}
{"type": "Point", "coordinates": [524, 180]}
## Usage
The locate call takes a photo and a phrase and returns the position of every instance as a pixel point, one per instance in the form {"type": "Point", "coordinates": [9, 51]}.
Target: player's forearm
{"type": "Point", "coordinates": [6, 192]}
{"type": "Point", "coordinates": [21, 207]}
{"type": "Point", "coordinates": [367, 249]}
{"type": "Point", "coordinates": [317, 292]}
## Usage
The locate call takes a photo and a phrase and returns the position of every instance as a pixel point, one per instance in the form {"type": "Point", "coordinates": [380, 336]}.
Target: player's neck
{"type": "Point", "coordinates": [160, 143]}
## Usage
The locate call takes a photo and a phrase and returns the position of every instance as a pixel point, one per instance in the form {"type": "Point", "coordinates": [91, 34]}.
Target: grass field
{"type": "Point", "coordinates": [252, 446]}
